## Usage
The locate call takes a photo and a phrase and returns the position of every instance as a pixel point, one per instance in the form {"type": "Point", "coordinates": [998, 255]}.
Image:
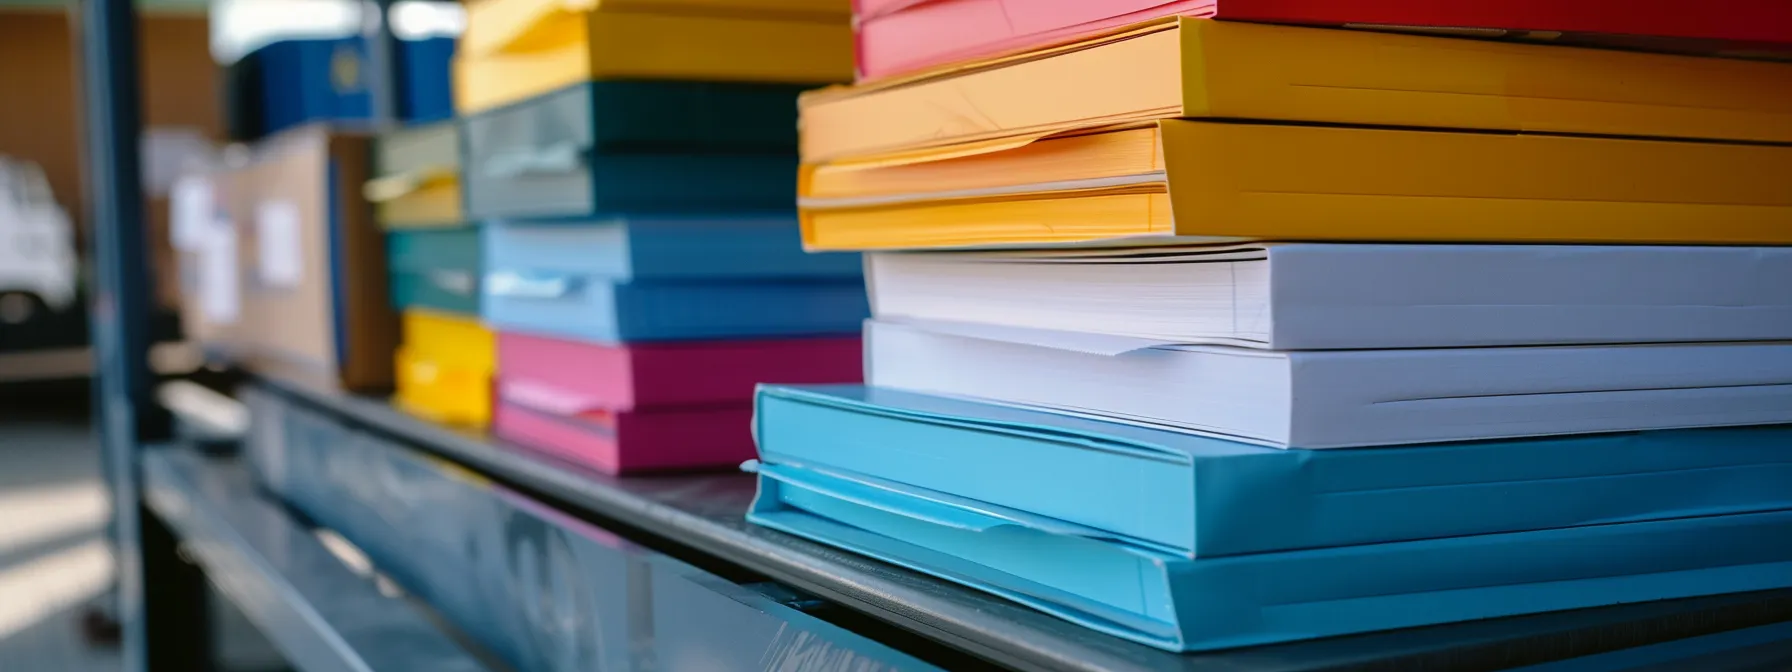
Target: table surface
{"type": "Point", "coordinates": [704, 513]}
{"type": "Point", "coordinates": [319, 612]}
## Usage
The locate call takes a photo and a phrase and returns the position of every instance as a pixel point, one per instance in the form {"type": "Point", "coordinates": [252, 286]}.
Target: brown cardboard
{"type": "Point", "coordinates": [290, 330]}
{"type": "Point", "coordinates": [162, 271]}
{"type": "Point", "coordinates": [228, 191]}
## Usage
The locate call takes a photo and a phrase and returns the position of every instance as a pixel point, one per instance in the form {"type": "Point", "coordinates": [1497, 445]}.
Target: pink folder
{"type": "Point", "coordinates": [899, 37]}
{"type": "Point", "coordinates": [641, 375]}
{"type": "Point", "coordinates": [627, 441]}
{"type": "Point", "coordinates": [651, 407]}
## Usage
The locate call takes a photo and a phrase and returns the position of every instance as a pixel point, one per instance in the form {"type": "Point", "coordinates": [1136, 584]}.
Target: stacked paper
{"type": "Point", "coordinates": [445, 363]}
{"type": "Point", "coordinates": [632, 163]}
{"type": "Point", "coordinates": [1209, 333]}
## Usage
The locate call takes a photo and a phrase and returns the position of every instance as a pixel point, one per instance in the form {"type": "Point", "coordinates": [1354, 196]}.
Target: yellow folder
{"type": "Point", "coordinates": [445, 368]}
{"type": "Point", "coordinates": [1188, 67]}
{"type": "Point", "coordinates": [516, 49]}
{"type": "Point", "coordinates": [1219, 180]}
{"type": "Point", "coordinates": [426, 196]}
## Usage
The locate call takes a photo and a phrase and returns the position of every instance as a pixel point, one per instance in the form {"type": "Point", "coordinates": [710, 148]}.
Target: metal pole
{"type": "Point", "coordinates": [384, 70]}
{"type": "Point", "coordinates": [120, 300]}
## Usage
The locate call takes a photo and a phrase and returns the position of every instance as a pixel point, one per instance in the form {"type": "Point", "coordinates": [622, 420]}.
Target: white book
{"type": "Point", "coordinates": [1322, 296]}
{"type": "Point", "coordinates": [1342, 398]}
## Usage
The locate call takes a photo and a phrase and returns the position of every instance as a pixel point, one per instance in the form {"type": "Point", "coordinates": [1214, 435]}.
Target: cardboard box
{"type": "Point", "coordinates": [312, 304]}
{"type": "Point", "coordinates": [210, 273]}
{"type": "Point", "coordinates": [163, 269]}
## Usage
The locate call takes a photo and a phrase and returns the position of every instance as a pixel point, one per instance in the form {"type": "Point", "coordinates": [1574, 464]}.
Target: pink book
{"type": "Point", "coordinates": [566, 425]}
{"type": "Point", "coordinates": [642, 375]}
{"type": "Point", "coordinates": [647, 407]}
{"type": "Point", "coordinates": [900, 37]}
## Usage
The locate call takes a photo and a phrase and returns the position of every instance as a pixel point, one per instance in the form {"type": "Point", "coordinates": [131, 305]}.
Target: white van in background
{"type": "Point", "coordinates": [38, 265]}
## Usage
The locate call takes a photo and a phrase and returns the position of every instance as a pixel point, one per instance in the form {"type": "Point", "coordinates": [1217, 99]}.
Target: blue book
{"type": "Point", "coordinates": [1195, 604]}
{"type": "Point", "coordinates": [313, 80]}
{"type": "Point", "coordinates": [435, 267]}
{"type": "Point", "coordinates": [1189, 495]}
{"type": "Point", "coordinates": [425, 92]}
{"type": "Point", "coordinates": [606, 148]}
{"type": "Point", "coordinates": [662, 248]}
{"type": "Point", "coordinates": [1190, 543]}
{"type": "Point", "coordinates": [669, 278]}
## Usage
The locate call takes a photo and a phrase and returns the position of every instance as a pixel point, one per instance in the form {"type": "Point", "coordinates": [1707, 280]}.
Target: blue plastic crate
{"type": "Point", "coordinates": [424, 92]}
{"type": "Point", "coordinates": [314, 80]}
{"type": "Point", "coordinates": [311, 80]}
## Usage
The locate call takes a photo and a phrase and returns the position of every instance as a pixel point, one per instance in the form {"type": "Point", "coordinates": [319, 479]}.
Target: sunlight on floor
{"type": "Point", "coordinates": [33, 516]}
{"type": "Point", "coordinates": [35, 590]}
{"type": "Point", "coordinates": [50, 582]}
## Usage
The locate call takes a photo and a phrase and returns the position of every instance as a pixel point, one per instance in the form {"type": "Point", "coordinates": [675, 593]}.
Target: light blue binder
{"type": "Point", "coordinates": [655, 279]}
{"type": "Point", "coordinates": [646, 249]}
{"type": "Point", "coordinates": [1191, 496]}
{"type": "Point", "coordinates": [1183, 604]}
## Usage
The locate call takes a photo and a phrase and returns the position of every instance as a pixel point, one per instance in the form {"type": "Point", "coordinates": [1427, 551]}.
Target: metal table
{"type": "Point", "coordinates": [702, 515]}
{"type": "Point", "coordinates": [320, 613]}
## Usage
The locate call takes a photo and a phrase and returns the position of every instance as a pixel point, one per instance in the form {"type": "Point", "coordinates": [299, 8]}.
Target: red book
{"type": "Point", "coordinates": [898, 37]}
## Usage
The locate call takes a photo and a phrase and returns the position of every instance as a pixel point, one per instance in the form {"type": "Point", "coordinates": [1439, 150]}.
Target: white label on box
{"type": "Point", "coordinates": [190, 212]}
{"type": "Point", "coordinates": [280, 260]}
{"type": "Point", "coordinates": [220, 300]}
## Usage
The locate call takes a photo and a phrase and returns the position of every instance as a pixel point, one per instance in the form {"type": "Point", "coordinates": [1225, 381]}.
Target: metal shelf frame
{"type": "Point", "coordinates": [126, 415]}
{"type": "Point", "coordinates": [161, 501]}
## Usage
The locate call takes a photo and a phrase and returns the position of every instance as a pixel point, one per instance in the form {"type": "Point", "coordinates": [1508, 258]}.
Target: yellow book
{"type": "Point", "coordinates": [418, 182]}
{"type": "Point", "coordinates": [1234, 181]}
{"type": "Point", "coordinates": [445, 368]}
{"type": "Point", "coordinates": [426, 196]}
{"type": "Point", "coordinates": [517, 49]}
{"type": "Point", "coordinates": [1200, 68]}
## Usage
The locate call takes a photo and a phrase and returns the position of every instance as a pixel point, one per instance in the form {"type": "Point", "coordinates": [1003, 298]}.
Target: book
{"type": "Point", "coordinates": [434, 267]}
{"type": "Point", "coordinates": [418, 177]}
{"type": "Point", "coordinates": [666, 279]}
{"type": "Point", "coordinates": [1203, 604]}
{"type": "Point", "coordinates": [1314, 296]}
{"type": "Point", "coordinates": [1344, 398]}
{"type": "Point", "coordinates": [657, 375]}
{"type": "Point", "coordinates": [444, 368]}
{"type": "Point", "coordinates": [1195, 496]}
{"type": "Point", "coordinates": [571, 306]}
{"type": "Point", "coordinates": [1243, 181]}
{"type": "Point", "coordinates": [619, 442]}
{"type": "Point", "coordinates": [895, 38]}
{"type": "Point", "coordinates": [674, 248]}
{"type": "Point", "coordinates": [640, 407]}
{"type": "Point", "coordinates": [516, 49]}
{"type": "Point", "coordinates": [1199, 68]}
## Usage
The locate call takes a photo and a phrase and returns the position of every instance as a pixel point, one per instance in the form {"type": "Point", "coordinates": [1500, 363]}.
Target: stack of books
{"type": "Point", "coordinates": [1208, 334]}
{"type": "Point", "coordinates": [447, 357]}
{"type": "Point", "coordinates": [632, 164]}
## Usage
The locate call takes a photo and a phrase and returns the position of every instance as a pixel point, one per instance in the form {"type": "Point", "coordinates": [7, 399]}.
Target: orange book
{"type": "Point", "coordinates": [517, 49]}
{"type": "Point", "coordinates": [1193, 180]}
{"type": "Point", "coordinates": [1199, 68]}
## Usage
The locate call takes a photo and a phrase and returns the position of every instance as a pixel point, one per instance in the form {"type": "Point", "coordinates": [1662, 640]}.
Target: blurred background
{"type": "Point", "coordinates": [202, 84]}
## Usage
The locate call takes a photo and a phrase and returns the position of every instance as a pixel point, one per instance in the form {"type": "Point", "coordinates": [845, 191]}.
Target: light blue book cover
{"type": "Point", "coordinates": [651, 249]}
{"type": "Point", "coordinates": [673, 278]}
{"type": "Point", "coordinates": [1182, 604]}
{"type": "Point", "coordinates": [1187, 495]}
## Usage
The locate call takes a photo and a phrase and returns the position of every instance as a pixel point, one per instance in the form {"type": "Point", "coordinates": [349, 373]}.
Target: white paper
{"type": "Point", "coordinates": [280, 260]}
{"type": "Point", "coordinates": [220, 301]}
{"type": "Point", "coordinates": [167, 152]}
{"type": "Point", "coordinates": [1087, 343]}
{"type": "Point", "coordinates": [190, 212]}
